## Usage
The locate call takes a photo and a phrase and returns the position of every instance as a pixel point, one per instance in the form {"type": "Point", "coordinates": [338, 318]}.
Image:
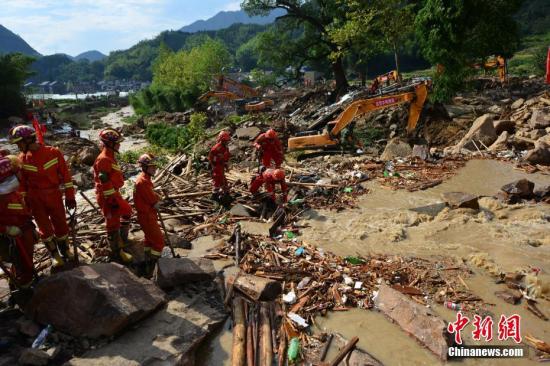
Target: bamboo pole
{"type": "Point", "coordinates": [266, 345]}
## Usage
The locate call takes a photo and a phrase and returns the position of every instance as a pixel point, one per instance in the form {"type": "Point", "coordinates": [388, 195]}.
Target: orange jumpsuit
{"type": "Point", "coordinates": [267, 178]}
{"type": "Point", "coordinates": [219, 156]}
{"type": "Point", "coordinates": [271, 150]}
{"type": "Point", "coordinates": [113, 206]}
{"type": "Point", "coordinates": [13, 212]}
{"type": "Point", "coordinates": [44, 173]}
{"type": "Point", "coordinates": [144, 200]}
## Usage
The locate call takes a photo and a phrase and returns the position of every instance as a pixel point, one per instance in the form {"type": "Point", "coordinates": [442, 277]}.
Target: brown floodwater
{"type": "Point", "coordinates": [417, 224]}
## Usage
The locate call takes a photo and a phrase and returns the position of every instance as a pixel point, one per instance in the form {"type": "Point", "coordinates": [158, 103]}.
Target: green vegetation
{"type": "Point", "coordinates": [131, 156]}
{"type": "Point", "coordinates": [369, 135]}
{"type": "Point", "coordinates": [531, 60]}
{"type": "Point", "coordinates": [14, 70]}
{"type": "Point", "coordinates": [180, 77]}
{"type": "Point", "coordinates": [178, 138]}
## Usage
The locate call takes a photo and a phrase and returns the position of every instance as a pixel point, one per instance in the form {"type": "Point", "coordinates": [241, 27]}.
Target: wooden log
{"type": "Point", "coordinates": [250, 354]}
{"type": "Point", "coordinates": [340, 356]}
{"type": "Point", "coordinates": [258, 288]}
{"type": "Point", "coordinates": [282, 347]}
{"type": "Point", "coordinates": [266, 345]}
{"type": "Point", "coordinates": [238, 357]}
{"type": "Point", "coordinates": [312, 185]}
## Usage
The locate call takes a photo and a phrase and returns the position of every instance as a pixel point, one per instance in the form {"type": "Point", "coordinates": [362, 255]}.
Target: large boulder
{"type": "Point", "coordinates": [396, 149]}
{"type": "Point", "coordinates": [501, 142]}
{"type": "Point", "coordinates": [92, 301]}
{"type": "Point", "coordinates": [461, 200]}
{"type": "Point", "coordinates": [504, 125]}
{"type": "Point", "coordinates": [540, 154]}
{"type": "Point", "coordinates": [88, 155]}
{"type": "Point", "coordinates": [540, 118]}
{"type": "Point", "coordinates": [415, 319]}
{"type": "Point", "coordinates": [171, 272]}
{"type": "Point", "coordinates": [169, 337]}
{"type": "Point", "coordinates": [247, 133]}
{"type": "Point", "coordinates": [482, 130]}
{"type": "Point", "coordinates": [521, 188]}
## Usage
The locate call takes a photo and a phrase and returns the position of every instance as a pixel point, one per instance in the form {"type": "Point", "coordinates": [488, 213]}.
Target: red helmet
{"type": "Point", "coordinates": [110, 135]}
{"type": "Point", "coordinates": [279, 174]}
{"type": "Point", "coordinates": [21, 132]}
{"type": "Point", "coordinates": [224, 136]}
{"type": "Point", "coordinates": [271, 134]}
{"type": "Point", "coordinates": [147, 160]}
{"type": "Point", "coordinates": [6, 168]}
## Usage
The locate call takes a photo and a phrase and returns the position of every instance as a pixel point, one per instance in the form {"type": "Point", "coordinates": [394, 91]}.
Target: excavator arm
{"type": "Point", "coordinates": [417, 98]}
{"type": "Point", "coordinates": [220, 95]}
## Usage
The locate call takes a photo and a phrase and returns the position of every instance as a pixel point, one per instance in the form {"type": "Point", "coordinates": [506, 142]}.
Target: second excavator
{"type": "Point", "coordinates": [331, 136]}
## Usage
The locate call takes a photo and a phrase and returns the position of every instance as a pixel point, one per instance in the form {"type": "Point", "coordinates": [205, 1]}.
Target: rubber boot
{"type": "Point", "coordinates": [57, 261]}
{"type": "Point", "coordinates": [63, 247]}
{"type": "Point", "coordinates": [117, 251]}
{"type": "Point", "coordinates": [151, 264]}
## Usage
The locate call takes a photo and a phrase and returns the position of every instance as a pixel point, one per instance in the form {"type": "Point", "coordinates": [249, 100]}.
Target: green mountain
{"type": "Point", "coordinates": [225, 19]}
{"type": "Point", "coordinates": [11, 42]}
{"type": "Point", "coordinates": [90, 56]}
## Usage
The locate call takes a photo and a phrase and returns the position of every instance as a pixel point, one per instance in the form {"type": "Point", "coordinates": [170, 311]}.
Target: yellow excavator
{"type": "Point", "coordinates": [331, 136]}
{"type": "Point", "coordinates": [497, 62]}
{"type": "Point", "coordinates": [246, 98]}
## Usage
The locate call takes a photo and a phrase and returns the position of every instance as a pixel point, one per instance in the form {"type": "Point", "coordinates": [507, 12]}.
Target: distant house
{"type": "Point", "coordinates": [57, 87]}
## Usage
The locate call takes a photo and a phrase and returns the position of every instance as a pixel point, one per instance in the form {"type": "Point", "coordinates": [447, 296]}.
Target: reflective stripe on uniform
{"type": "Point", "coordinates": [116, 167]}
{"type": "Point", "coordinates": [69, 185]}
{"type": "Point", "coordinates": [15, 206]}
{"type": "Point", "coordinates": [109, 192]}
{"type": "Point", "coordinates": [64, 237]}
{"type": "Point", "coordinates": [30, 168]}
{"type": "Point", "coordinates": [154, 252]}
{"type": "Point", "coordinates": [51, 163]}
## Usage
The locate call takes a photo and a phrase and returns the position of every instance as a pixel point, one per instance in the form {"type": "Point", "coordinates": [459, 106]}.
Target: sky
{"type": "Point", "coordinates": [76, 26]}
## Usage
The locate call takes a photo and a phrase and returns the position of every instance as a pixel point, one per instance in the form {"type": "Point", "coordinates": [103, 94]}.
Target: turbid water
{"type": "Point", "coordinates": [506, 237]}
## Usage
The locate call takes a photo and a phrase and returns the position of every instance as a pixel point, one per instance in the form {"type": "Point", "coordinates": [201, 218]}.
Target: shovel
{"type": "Point", "coordinates": [166, 236]}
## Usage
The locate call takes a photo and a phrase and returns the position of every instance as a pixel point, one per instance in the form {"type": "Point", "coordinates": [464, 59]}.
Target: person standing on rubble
{"type": "Point", "coordinates": [219, 158]}
{"type": "Point", "coordinates": [147, 203]}
{"type": "Point", "coordinates": [270, 149]}
{"type": "Point", "coordinates": [269, 178]}
{"type": "Point", "coordinates": [17, 235]}
{"type": "Point", "coordinates": [108, 180]}
{"type": "Point", "coordinates": [43, 172]}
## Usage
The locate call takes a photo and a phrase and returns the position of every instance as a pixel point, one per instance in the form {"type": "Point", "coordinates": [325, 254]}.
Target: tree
{"type": "Point", "coordinates": [315, 18]}
{"type": "Point", "coordinates": [14, 70]}
{"type": "Point", "coordinates": [453, 33]}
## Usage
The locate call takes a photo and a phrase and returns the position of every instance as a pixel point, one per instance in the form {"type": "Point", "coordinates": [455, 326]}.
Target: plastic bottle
{"type": "Point", "coordinates": [452, 305]}
{"type": "Point", "coordinates": [293, 353]}
{"type": "Point", "coordinates": [42, 337]}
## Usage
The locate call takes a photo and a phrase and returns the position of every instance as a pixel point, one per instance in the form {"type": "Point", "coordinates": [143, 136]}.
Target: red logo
{"type": "Point", "coordinates": [508, 327]}
{"type": "Point", "coordinates": [383, 102]}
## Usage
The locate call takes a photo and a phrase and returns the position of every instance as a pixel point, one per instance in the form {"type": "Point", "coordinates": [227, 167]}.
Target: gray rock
{"type": "Point", "coordinates": [540, 118]}
{"type": "Point", "coordinates": [461, 200]}
{"type": "Point", "coordinates": [247, 133]}
{"type": "Point", "coordinates": [239, 210]}
{"type": "Point", "coordinates": [415, 319]}
{"type": "Point", "coordinates": [522, 188]}
{"type": "Point", "coordinates": [171, 272]}
{"type": "Point", "coordinates": [396, 149]}
{"type": "Point", "coordinates": [495, 109]}
{"type": "Point", "coordinates": [540, 154]}
{"type": "Point", "coordinates": [482, 130]}
{"type": "Point", "coordinates": [95, 300]}
{"type": "Point", "coordinates": [32, 356]}
{"type": "Point", "coordinates": [421, 151]}
{"type": "Point", "coordinates": [458, 110]}
{"type": "Point", "coordinates": [518, 103]}
{"type": "Point", "coordinates": [88, 155]}
{"type": "Point", "coordinates": [536, 134]}
{"type": "Point", "coordinates": [501, 142]}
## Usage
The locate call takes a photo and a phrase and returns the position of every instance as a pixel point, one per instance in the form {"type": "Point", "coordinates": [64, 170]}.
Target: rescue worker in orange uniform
{"type": "Point", "coordinates": [270, 149]}
{"type": "Point", "coordinates": [147, 202]}
{"type": "Point", "coordinates": [269, 178]}
{"type": "Point", "coordinates": [219, 158]}
{"type": "Point", "coordinates": [44, 174]}
{"type": "Point", "coordinates": [108, 180]}
{"type": "Point", "coordinates": [17, 235]}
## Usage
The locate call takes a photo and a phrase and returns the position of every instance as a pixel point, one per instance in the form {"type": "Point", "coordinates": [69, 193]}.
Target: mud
{"type": "Point", "coordinates": [502, 238]}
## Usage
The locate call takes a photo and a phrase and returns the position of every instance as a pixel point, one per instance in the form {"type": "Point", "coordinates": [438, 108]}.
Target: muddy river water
{"type": "Point", "coordinates": [500, 238]}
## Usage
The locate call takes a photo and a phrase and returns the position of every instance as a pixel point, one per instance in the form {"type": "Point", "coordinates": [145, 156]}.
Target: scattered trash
{"type": "Point", "coordinates": [453, 306]}
{"type": "Point", "coordinates": [290, 298]}
{"type": "Point", "coordinates": [41, 338]}
{"type": "Point", "coordinates": [301, 322]}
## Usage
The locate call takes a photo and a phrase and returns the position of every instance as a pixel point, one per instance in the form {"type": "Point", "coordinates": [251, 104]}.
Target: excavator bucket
{"type": "Point", "coordinates": [416, 107]}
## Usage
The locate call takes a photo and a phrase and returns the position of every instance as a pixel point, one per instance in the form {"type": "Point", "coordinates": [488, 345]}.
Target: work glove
{"type": "Point", "coordinates": [157, 205]}
{"type": "Point", "coordinates": [70, 203]}
{"type": "Point", "coordinates": [13, 231]}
